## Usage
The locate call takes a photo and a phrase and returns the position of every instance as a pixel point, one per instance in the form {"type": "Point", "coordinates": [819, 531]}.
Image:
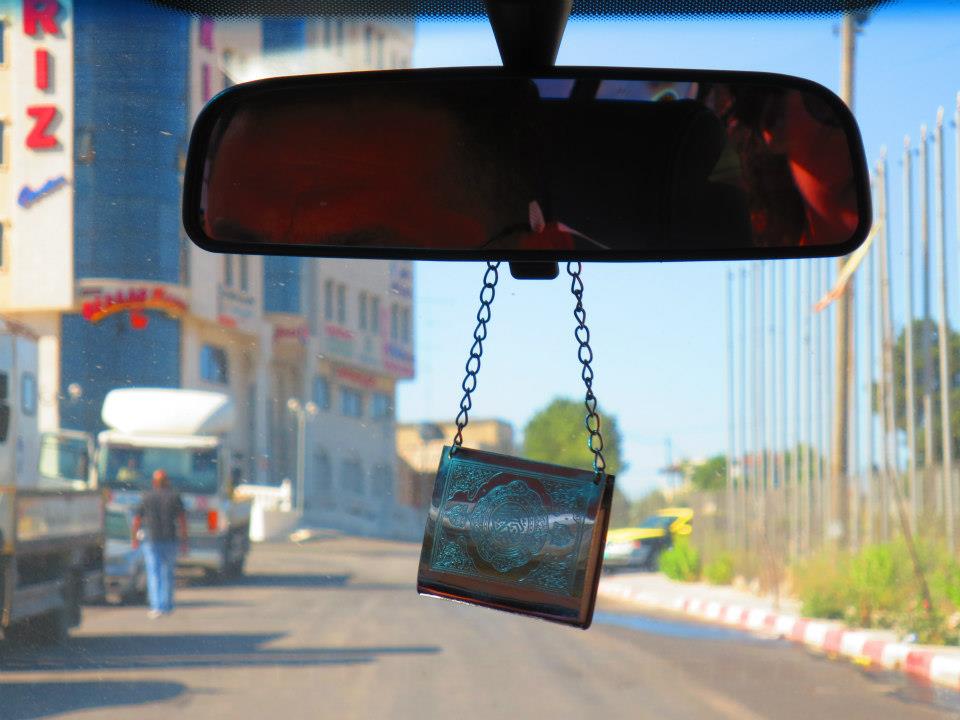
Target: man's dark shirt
{"type": "Point", "coordinates": [158, 512]}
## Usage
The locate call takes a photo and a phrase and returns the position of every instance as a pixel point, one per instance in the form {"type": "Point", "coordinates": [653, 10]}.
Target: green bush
{"type": "Point", "coordinates": [681, 562]}
{"type": "Point", "coordinates": [877, 588]}
{"type": "Point", "coordinates": [720, 570]}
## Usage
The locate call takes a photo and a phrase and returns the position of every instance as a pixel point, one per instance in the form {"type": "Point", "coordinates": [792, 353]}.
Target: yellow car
{"type": "Point", "coordinates": [640, 547]}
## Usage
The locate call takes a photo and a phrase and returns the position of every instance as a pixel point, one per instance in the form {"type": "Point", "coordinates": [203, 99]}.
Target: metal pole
{"type": "Point", "coordinates": [944, 329]}
{"type": "Point", "coordinates": [854, 467]}
{"type": "Point", "coordinates": [782, 385]}
{"type": "Point", "coordinates": [301, 458]}
{"type": "Point", "coordinates": [910, 403]}
{"type": "Point", "coordinates": [890, 462]}
{"type": "Point", "coordinates": [762, 382]}
{"type": "Point", "coordinates": [927, 337]}
{"type": "Point", "coordinates": [797, 410]}
{"type": "Point", "coordinates": [838, 510]}
{"type": "Point", "coordinates": [872, 394]}
{"type": "Point", "coordinates": [745, 447]}
{"type": "Point", "coordinates": [806, 530]}
{"type": "Point", "coordinates": [731, 410]}
{"type": "Point", "coordinates": [818, 382]}
{"type": "Point", "coordinates": [772, 479]}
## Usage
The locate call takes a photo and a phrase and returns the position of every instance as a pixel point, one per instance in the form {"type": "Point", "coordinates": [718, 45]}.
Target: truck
{"type": "Point", "coordinates": [51, 530]}
{"type": "Point", "coordinates": [186, 433]}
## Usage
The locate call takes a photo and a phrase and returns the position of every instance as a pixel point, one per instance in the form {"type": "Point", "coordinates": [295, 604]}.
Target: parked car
{"type": "Point", "coordinates": [125, 573]}
{"type": "Point", "coordinates": [640, 547]}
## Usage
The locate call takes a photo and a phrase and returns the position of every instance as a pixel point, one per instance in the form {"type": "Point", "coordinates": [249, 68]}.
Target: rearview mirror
{"type": "Point", "coordinates": [570, 163]}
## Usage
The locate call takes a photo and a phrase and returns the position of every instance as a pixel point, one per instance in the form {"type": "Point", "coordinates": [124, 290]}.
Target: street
{"type": "Point", "coordinates": [333, 628]}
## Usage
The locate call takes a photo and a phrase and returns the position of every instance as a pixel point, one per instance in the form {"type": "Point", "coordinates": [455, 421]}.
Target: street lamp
{"type": "Point", "coordinates": [302, 413]}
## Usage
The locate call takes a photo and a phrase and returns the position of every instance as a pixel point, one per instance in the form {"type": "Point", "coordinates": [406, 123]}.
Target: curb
{"type": "Point", "coordinates": [869, 648]}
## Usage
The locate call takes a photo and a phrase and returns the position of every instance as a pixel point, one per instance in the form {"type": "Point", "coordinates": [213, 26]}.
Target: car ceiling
{"type": "Point", "coordinates": [466, 9]}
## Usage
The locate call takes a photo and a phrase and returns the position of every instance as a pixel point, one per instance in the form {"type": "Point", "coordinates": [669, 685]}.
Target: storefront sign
{"type": "Point", "coordinates": [39, 18]}
{"type": "Point", "coordinates": [28, 196]}
{"type": "Point", "coordinates": [355, 377]}
{"type": "Point", "coordinates": [136, 300]}
{"type": "Point", "coordinates": [299, 333]}
{"type": "Point", "coordinates": [397, 360]}
{"type": "Point", "coordinates": [236, 309]}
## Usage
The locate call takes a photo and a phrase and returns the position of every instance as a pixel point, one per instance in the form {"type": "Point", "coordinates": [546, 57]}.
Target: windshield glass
{"type": "Point", "coordinates": [64, 458]}
{"type": "Point", "coordinates": [125, 467]}
{"type": "Point", "coordinates": [810, 427]}
{"type": "Point", "coordinates": [657, 522]}
{"type": "Point", "coordinates": [117, 525]}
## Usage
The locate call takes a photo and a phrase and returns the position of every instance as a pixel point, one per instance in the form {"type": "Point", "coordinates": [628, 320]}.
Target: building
{"type": "Point", "coordinates": [94, 259]}
{"type": "Point", "coordinates": [420, 445]}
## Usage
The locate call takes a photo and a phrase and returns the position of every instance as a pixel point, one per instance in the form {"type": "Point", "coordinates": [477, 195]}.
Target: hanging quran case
{"type": "Point", "coordinates": [514, 534]}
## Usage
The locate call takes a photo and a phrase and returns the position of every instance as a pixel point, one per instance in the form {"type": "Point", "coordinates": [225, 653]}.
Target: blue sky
{"type": "Point", "coordinates": [658, 329]}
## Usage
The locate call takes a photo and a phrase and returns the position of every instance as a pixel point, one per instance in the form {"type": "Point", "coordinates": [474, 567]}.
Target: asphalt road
{"type": "Point", "coordinates": [334, 629]}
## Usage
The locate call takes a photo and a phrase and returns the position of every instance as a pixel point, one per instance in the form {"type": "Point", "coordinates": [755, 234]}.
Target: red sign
{"type": "Point", "coordinates": [135, 300]}
{"type": "Point", "coordinates": [39, 17]}
{"type": "Point", "coordinates": [355, 377]}
{"type": "Point", "coordinates": [299, 333]}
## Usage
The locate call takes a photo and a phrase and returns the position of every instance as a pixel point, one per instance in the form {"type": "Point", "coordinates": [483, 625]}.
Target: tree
{"type": "Point", "coordinates": [925, 334]}
{"type": "Point", "coordinates": [556, 434]}
{"type": "Point", "coordinates": [711, 474]}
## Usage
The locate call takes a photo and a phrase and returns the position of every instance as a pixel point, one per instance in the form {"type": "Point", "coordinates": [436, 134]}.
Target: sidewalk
{"type": "Point", "coordinates": [728, 606]}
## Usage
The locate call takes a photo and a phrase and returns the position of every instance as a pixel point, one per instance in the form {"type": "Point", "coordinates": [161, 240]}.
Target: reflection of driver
{"type": "Point", "coordinates": [794, 163]}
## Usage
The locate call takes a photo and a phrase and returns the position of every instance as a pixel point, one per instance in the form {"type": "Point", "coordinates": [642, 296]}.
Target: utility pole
{"type": "Point", "coordinates": [944, 329]}
{"type": "Point", "coordinates": [839, 469]}
{"type": "Point", "coordinates": [731, 413]}
{"type": "Point", "coordinates": [927, 337]}
{"type": "Point", "coordinates": [745, 447]}
{"type": "Point", "coordinates": [910, 404]}
{"type": "Point", "coordinates": [890, 463]}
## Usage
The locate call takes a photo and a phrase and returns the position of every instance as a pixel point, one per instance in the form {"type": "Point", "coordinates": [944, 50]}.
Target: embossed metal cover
{"type": "Point", "coordinates": [516, 535]}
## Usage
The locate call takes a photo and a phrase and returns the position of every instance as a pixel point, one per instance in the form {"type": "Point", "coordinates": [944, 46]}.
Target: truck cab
{"type": "Point", "coordinates": [182, 432]}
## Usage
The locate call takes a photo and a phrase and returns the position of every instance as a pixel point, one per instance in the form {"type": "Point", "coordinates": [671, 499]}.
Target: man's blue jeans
{"type": "Point", "coordinates": [160, 559]}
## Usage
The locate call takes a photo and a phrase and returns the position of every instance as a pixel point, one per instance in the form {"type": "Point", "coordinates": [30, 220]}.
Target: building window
{"type": "Point", "coordinates": [3, 145]}
{"type": "Point", "coordinates": [28, 393]}
{"type": "Point", "coordinates": [228, 270]}
{"type": "Point", "coordinates": [381, 406]}
{"type": "Point", "coordinates": [375, 314]}
{"type": "Point", "coordinates": [327, 33]}
{"type": "Point", "coordinates": [342, 304]}
{"type": "Point", "coordinates": [406, 329]}
{"type": "Point", "coordinates": [351, 402]}
{"type": "Point", "coordinates": [244, 273]}
{"type": "Point", "coordinates": [84, 149]}
{"type": "Point", "coordinates": [328, 300]}
{"type": "Point", "coordinates": [214, 367]}
{"type": "Point", "coordinates": [226, 67]}
{"type": "Point", "coordinates": [3, 42]}
{"type": "Point", "coordinates": [362, 311]}
{"type": "Point", "coordinates": [3, 247]}
{"type": "Point", "coordinates": [321, 392]}
{"type": "Point", "coordinates": [382, 482]}
{"type": "Point", "coordinates": [324, 481]}
{"type": "Point", "coordinates": [394, 322]}
{"type": "Point", "coordinates": [351, 477]}
{"type": "Point", "coordinates": [340, 34]}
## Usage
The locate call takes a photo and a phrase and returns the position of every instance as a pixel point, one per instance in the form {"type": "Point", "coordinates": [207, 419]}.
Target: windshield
{"type": "Point", "coordinates": [658, 522]}
{"type": "Point", "coordinates": [64, 458]}
{"type": "Point", "coordinates": [809, 427]}
{"type": "Point", "coordinates": [117, 525]}
{"type": "Point", "coordinates": [125, 467]}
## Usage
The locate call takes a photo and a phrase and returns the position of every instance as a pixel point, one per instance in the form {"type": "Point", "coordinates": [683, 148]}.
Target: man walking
{"type": "Point", "coordinates": [162, 517]}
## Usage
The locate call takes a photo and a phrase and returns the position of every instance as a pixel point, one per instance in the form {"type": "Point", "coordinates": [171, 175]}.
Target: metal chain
{"type": "Point", "coordinates": [487, 293]}
{"type": "Point", "coordinates": [585, 355]}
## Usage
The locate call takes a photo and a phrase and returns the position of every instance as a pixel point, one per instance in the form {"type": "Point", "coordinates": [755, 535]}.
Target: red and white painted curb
{"type": "Point", "coordinates": [875, 648]}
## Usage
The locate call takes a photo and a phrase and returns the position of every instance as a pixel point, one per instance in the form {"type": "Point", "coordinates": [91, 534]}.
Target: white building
{"type": "Point", "coordinates": [95, 261]}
